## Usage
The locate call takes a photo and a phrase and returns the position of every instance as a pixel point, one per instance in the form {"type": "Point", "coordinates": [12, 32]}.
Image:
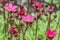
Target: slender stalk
{"type": "Point", "coordinates": [36, 28]}
{"type": "Point", "coordinates": [5, 24]}
{"type": "Point", "coordinates": [48, 26]}
{"type": "Point", "coordinates": [58, 27]}
{"type": "Point", "coordinates": [19, 33]}
{"type": "Point", "coordinates": [25, 31]}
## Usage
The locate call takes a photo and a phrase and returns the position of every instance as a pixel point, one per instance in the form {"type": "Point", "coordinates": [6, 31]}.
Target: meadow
{"type": "Point", "coordinates": [30, 20]}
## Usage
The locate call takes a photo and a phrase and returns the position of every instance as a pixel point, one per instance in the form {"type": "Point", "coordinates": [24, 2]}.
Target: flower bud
{"type": "Point", "coordinates": [50, 20]}
{"type": "Point", "coordinates": [15, 33]}
{"type": "Point", "coordinates": [21, 24]}
{"type": "Point", "coordinates": [46, 5]}
{"type": "Point", "coordinates": [39, 38]}
{"type": "Point", "coordinates": [21, 6]}
{"type": "Point", "coordinates": [9, 38]}
{"type": "Point", "coordinates": [12, 20]}
{"type": "Point", "coordinates": [45, 13]}
{"type": "Point", "coordinates": [39, 14]}
{"type": "Point", "coordinates": [55, 16]}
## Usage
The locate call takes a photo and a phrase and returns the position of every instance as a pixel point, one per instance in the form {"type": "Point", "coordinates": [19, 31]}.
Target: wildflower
{"type": "Point", "coordinates": [38, 5]}
{"type": "Point", "coordinates": [11, 28]}
{"type": "Point", "coordinates": [3, 1]}
{"type": "Point", "coordinates": [28, 18]}
{"type": "Point", "coordinates": [22, 11]}
{"type": "Point", "coordinates": [32, 1]}
{"type": "Point", "coordinates": [51, 9]}
{"type": "Point", "coordinates": [10, 7]}
{"type": "Point", "coordinates": [51, 34]}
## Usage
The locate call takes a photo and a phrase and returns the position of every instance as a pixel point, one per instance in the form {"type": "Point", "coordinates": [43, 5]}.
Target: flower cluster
{"type": "Point", "coordinates": [30, 14]}
{"type": "Point", "coordinates": [14, 31]}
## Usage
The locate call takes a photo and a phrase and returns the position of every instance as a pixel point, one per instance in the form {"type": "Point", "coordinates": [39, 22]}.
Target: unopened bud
{"type": "Point", "coordinates": [55, 16]}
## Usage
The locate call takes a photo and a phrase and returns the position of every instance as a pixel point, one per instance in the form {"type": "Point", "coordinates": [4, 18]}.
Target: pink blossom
{"type": "Point", "coordinates": [28, 18]}
{"type": "Point", "coordinates": [38, 5]}
{"type": "Point", "coordinates": [32, 1]}
{"type": "Point", "coordinates": [11, 28]}
{"type": "Point", "coordinates": [51, 8]}
{"type": "Point", "coordinates": [3, 1]}
{"type": "Point", "coordinates": [22, 11]}
{"type": "Point", "coordinates": [51, 34]}
{"type": "Point", "coordinates": [10, 7]}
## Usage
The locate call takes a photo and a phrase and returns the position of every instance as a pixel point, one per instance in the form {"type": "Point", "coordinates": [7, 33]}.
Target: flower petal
{"type": "Point", "coordinates": [6, 7]}
{"type": "Point", "coordinates": [15, 7]}
{"type": "Point", "coordinates": [10, 5]}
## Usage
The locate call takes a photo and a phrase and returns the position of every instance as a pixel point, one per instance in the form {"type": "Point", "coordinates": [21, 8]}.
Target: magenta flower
{"type": "Point", "coordinates": [51, 9]}
{"type": "Point", "coordinates": [22, 11]}
{"type": "Point", "coordinates": [38, 5]}
{"type": "Point", "coordinates": [51, 34]}
{"type": "Point", "coordinates": [11, 8]}
{"type": "Point", "coordinates": [28, 18]}
{"type": "Point", "coordinates": [11, 28]}
{"type": "Point", "coordinates": [3, 1]}
{"type": "Point", "coordinates": [32, 1]}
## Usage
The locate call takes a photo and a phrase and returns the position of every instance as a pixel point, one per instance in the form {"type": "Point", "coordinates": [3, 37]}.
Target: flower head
{"type": "Point", "coordinates": [15, 33]}
{"type": "Point", "coordinates": [22, 11]}
{"type": "Point", "coordinates": [51, 9]}
{"type": "Point", "coordinates": [38, 5]}
{"type": "Point", "coordinates": [28, 18]}
{"type": "Point", "coordinates": [10, 7]}
{"type": "Point", "coordinates": [51, 34]}
{"type": "Point", "coordinates": [3, 1]}
{"type": "Point", "coordinates": [32, 1]}
{"type": "Point", "coordinates": [11, 28]}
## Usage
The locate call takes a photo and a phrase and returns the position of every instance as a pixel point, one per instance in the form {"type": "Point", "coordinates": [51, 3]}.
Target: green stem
{"type": "Point", "coordinates": [5, 24]}
{"type": "Point", "coordinates": [58, 27]}
{"type": "Point", "coordinates": [48, 26]}
{"type": "Point", "coordinates": [25, 31]}
{"type": "Point", "coordinates": [36, 27]}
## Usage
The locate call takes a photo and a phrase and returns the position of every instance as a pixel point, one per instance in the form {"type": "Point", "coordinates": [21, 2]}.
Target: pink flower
{"type": "Point", "coordinates": [10, 7]}
{"type": "Point", "coordinates": [28, 18]}
{"type": "Point", "coordinates": [3, 1]}
{"type": "Point", "coordinates": [11, 28]}
{"type": "Point", "coordinates": [51, 34]}
{"type": "Point", "coordinates": [32, 1]}
{"type": "Point", "coordinates": [22, 11]}
{"type": "Point", "coordinates": [51, 8]}
{"type": "Point", "coordinates": [38, 5]}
